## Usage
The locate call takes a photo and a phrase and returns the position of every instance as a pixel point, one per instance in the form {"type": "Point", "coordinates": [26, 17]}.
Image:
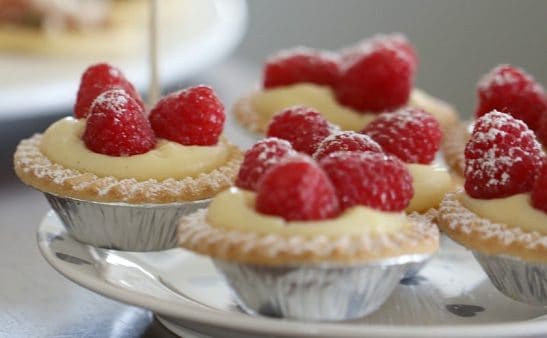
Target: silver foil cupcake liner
{"type": "Point", "coordinates": [413, 269]}
{"type": "Point", "coordinates": [516, 278]}
{"type": "Point", "coordinates": [315, 291]}
{"type": "Point", "coordinates": [123, 226]}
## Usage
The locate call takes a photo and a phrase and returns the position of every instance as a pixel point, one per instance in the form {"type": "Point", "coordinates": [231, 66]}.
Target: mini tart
{"type": "Point", "coordinates": [453, 147]}
{"type": "Point", "coordinates": [254, 121]}
{"type": "Point", "coordinates": [36, 170]}
{"type": "Point", "coordinates": [196, 234]}
{"type": "Point", "coordinates": [480, 234]}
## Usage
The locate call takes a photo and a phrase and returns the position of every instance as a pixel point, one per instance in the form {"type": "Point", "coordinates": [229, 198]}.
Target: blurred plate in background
{"type": "Point", "coordinates": [203, 33]}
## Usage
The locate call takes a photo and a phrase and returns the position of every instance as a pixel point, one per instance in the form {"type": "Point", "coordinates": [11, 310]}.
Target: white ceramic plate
{"type": "Point", "coordinates": [209, 30]}
{"type": "Point", "coordinates": [451, 297]}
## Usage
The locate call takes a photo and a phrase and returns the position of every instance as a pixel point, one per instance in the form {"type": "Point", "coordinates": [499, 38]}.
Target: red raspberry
{"type": "Point", "coordinates": [502, 157]}
{"type": "Point", "coordinates": [394, 40]}
{"type": "Point", "coordinates": [541, 132]}
{"type": "Point", "coordinates": [97, 79]}
{"type": "Point", "coordinates": [346, 141]}
{"type": "Point", "coordinates": [116, 126]}
{"type": "Point", "coordinates": [377, 79]}
{"type": "Point", "coordinates": [262, 156]}
{"type": "Point", "coordinates": [511, 90]}
{"type": "Point", "coordinates": [300, 65]}
{"type": "Point", "coordinates": [376, 180]}
{"type": "Point", "coordinates": [302, 126]}
{"type": "Point", "coordinates": [297, 190]}
{"type": "Point", "coordinates": [539, 191]}
{"type": "Point", "coordinates": [411, 134]}
{"type": "Point", "coordinates": [193, 116]}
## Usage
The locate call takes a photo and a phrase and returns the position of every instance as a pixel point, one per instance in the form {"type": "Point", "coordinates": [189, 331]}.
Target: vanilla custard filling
{"type": "Point", "coordinates": [62, 144]}
{"type": "Point", "coordinates": [235, 209]}
{"type": "Point", "coordinates": [430, 182]}
{"type": "Point", "coordinates": [268, 102]}
{"type": "Point", "coordinates": [514, 211]}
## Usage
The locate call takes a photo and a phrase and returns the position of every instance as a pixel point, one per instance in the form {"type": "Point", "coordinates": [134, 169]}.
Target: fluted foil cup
{"type": "Point", "coordinates": [413, 269]}
{"type": "Point", "coordinates": [516, 278]}
{"type": "Point", "coordinates": [315, 292]}
{"type": "Point", "coordinates": [123, 226]}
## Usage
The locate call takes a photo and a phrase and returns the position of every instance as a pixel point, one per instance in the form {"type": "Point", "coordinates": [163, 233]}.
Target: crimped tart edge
{"type": "Point", "coordinates": [195, 234]}
{"type": "Point", "coordinates": [453, 147]}
{"type": "Point", "coordinates": [480, 234]}
{"type": "Point", "coordinates": [36, 170]}
{"type": "Point", "coordinates": [252, 120]}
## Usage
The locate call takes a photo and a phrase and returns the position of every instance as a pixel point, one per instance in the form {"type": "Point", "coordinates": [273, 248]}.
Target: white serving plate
{"type": "Point", "coordinates": [35, 85]}
{"type": "Point", "coordinates": [451, 297]}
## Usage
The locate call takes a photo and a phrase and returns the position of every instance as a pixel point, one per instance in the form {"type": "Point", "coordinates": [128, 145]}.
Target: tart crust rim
{"type": "Point", "coordinates": [197, 235]}
{"type": "Point", "coordinates": [36, 170]}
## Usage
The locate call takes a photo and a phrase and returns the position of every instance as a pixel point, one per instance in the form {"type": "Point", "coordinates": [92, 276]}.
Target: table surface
{"type": "Point", "coordinates": [36, 301]}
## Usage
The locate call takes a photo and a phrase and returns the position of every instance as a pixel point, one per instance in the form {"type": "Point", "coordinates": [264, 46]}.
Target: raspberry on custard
{"type": "Point", "coordinates": [116, 126]}
{"type": "Point", "coordinates": [262, 156]}
{"type": "Point", "coordinates": [97, 79]}
{"type": "Point", "coordinates": [346, 141]}
{"type": "Point", "coordinates": [192, 116]}
{"type": "Point", "coordinates": [303, 127]}
{"type": "Point", "coordinates": [376, 180]}
{"type": "Point", "coordinates": [502, 157]}
{"type": "Point", "coordinates": [297, 190]}
{"type": "Point", "coordinates": [511, 90]}
{"type": "Point", "coordinates": [411, 134]}
{"type": "Point", "coordinates": [300, 65]}
{"type": "Point", "coordinates": [377, 78]}
{"type": "Point", "coordinates": [393, 40]}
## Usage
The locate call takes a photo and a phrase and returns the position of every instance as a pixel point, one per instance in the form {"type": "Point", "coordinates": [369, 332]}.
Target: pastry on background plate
{"type": "Point", "coordinates": [502, 213]}
{"type": "Point", "coordinates": [349, 87]}
{"type": "Point", "coordinates": [80, 27]}
{"type": "Point", "coordinates": [313, 240]}
{"type": "Point", "coordinates": [121, 178]}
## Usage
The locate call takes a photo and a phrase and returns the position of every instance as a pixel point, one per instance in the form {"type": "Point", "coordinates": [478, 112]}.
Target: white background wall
{"type": "Point", "coordinates": [457, 40]}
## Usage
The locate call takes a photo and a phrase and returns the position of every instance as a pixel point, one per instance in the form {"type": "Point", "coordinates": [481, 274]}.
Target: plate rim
{"type": "Point", "coordinates": [222, 38]}
{"type": "Point", "coordinates": [220, 319]}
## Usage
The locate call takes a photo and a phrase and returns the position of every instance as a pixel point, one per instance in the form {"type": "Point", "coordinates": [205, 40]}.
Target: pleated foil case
{"type": "Point", "coordinates": [123, 226]}
{"type": "Point", "coordinates": [516, 278]}
{"type": "Point", "coordinates": [315, 292]}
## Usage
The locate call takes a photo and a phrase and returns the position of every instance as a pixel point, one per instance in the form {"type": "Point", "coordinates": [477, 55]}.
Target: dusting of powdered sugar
{"type": "Point", "coordinates": [455, 216]}
{"type": "Point", "coordinates": [45, 175]}
{"type": "Point", "coordinates": [114, 100]}
{"type": "Point", "coordinates": [492, 164]}
{"type": "Point", "coordinates": [499, 77]}
{"type": "Point", "coordinates": [194, 233]}
{"type": "Point", "coordinates": [351, 55]}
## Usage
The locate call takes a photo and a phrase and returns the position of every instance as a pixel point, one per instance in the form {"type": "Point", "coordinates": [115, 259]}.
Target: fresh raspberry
{"type": "Point", "coordinates": [502, 157]}
{"type": "Point", "coordinates": [377, 79]}
{"type": "Point", "coordinates": [193, 116]}
{"type": "Point", "coordinates": [262, 156]}
{"type": "Point", "coordinates": [346, 141]}
{"type": "Point", "coordinates": [394, 40]}
{"type": "Point", "coordinates": [97, 79]}
{"type": "Point", "coordinates": [376, 180]}
{"type": "Point", "coordinates": [302, 126]}
{"type": "Point", "coordinates": [300, 65]}
{"type": "Point", "coordinates": [116, 126]}
{"type": "Point", "coordinates": [539, 191]}
{"type": "Point", "coordinates": [541, 132]}
{"type": "Point", "coordinates": [411, 134]}
{"type": "Point", "coordinates": [297, 190]}
{"type": "Point", "coordinates": [511, 90]}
